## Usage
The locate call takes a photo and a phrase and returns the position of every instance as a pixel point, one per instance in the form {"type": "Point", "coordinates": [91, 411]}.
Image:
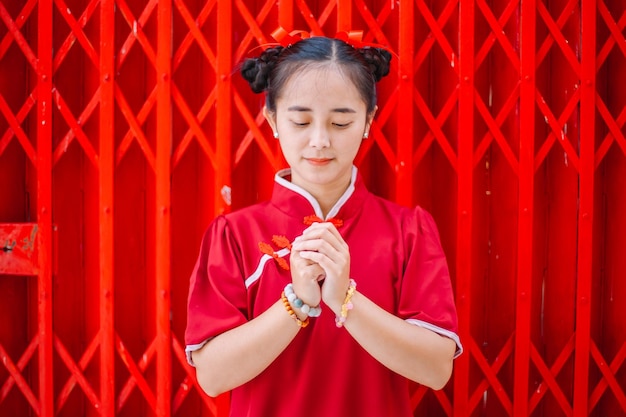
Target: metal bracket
{"type": "Point", "coordinates": [18, 249]}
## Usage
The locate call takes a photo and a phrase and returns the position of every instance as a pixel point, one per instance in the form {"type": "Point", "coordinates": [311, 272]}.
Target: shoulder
{"type": "Point", "coordinates": [243, 215]}
{"type": "Point", "coordinates": [414, 219]}
{"type": "Point", "coordinates": [400, 212]}
{"type": "Point", "coordinates": [228, 225]}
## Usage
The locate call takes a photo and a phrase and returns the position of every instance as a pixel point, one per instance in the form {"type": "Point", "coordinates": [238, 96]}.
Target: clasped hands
{"type": "Point", "coordinates": [320, 266]}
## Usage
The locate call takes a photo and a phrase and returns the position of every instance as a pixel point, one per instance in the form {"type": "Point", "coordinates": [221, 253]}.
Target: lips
{"type": "Point", "coordinates": [318, 161]}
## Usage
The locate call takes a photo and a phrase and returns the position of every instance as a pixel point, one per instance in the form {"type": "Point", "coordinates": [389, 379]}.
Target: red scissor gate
{"type": "Point", "coordinates": [124, 129]}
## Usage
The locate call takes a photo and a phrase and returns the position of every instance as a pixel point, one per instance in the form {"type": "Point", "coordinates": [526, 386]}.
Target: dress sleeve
{"type": "Point", "coordinates": [426, 295]}
{"type": "Point", "coordinates": [217, 294]}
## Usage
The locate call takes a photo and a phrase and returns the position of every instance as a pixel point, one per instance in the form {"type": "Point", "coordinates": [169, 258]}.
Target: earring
{"type": "Point", "coordinates": [366, 135]}
{"type": "Point", "coordinates": [275, 135]}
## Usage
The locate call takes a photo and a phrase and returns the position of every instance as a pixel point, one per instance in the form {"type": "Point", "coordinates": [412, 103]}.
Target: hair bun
{"type": "Point", "coordinates": [256, 70]}
{"type": "Point", "coordinates": [378, 60]}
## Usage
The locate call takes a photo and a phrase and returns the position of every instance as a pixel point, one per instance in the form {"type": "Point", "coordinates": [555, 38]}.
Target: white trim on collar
{"type": "Point", "coordinates": [280, 179]}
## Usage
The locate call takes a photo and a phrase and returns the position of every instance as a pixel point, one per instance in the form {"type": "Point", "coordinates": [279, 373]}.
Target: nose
{"type": "Point", "coordinates": [320, 138]}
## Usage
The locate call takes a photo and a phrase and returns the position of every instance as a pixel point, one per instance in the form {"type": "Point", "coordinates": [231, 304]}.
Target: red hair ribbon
{"type": "Point", "coordinates": [287, 39]}
{"type": "Point", "coordinates": [353, 38]}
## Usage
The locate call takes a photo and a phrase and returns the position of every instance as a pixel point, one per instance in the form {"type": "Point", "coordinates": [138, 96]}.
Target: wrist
{"type": "Point", "coordinates": [301, 308]}
{"type": "Point", "coordinates": [299, 321]}
{"type": "Point", "coordinates": [335, 305]}
{"type": "Point", "coordinates": [347, 305]}
{"type": "Point", "coordinates": [335, 299]}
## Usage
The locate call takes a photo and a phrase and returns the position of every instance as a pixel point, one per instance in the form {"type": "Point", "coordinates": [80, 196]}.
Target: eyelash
{"type": "Point", "coordinates": [339, 125]}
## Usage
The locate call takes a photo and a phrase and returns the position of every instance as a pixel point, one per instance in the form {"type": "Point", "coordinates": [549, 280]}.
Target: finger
{"type": "Point", "coordinates": [304, 270]}
{"type": "Point", "coordinates": [331, 267]}
{"type": "Point", "coordinates": [295, 258]}
{"type": "Point", "coordinates": [312, 272]}
{"type": "Point", "coordinates": [326, 232]}
{"type": "Point", "coordinates": [305, 280]}
{"type": "Point", "coordinates": [317, 227]}
{"type": "Point", "coordinates": [300, 265]}
{"type": "Point", "coordinates": [318, 245]}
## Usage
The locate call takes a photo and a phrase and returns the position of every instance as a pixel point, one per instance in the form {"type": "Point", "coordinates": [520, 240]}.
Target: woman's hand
{"type": "Point", "coordinates": [321, 244]}
{"type": "Point", "coordinates": [305, 276]}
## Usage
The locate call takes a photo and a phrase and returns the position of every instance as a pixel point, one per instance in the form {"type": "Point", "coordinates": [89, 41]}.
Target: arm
{"type": "Point", "coordinates": [416, 353]}
{"type": "Point", "coordinates": [240, 354]}
{"type": "Point", "coordinates": [412, 351]}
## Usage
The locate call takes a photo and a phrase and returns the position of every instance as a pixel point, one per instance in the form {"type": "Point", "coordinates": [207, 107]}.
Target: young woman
{"type": "Point", "coordinates": [326, 299]}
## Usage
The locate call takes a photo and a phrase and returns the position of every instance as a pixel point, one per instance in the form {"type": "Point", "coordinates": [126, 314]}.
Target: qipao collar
{"type": "Point", "coordinates": [295, 201]}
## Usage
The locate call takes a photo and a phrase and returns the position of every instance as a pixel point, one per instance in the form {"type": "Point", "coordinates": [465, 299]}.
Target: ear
{"type": "Point", "coordinates": [370, 119]}
{"type": "Point", "coordinates": [270, 116]}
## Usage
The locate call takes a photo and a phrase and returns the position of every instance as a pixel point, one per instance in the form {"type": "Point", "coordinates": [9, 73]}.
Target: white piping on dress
{"type": "Point", "coordinates": [441, 331]}
{"type": "Point", "coordinates": [193, 348]}
{"type": "Point", "coordinates": [259, 269]}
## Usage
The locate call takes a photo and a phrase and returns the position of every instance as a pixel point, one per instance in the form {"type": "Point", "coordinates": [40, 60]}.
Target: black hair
{"type": "Point", "coordinates": [270, 71]}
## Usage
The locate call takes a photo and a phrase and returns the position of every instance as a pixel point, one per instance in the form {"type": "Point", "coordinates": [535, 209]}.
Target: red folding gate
{"type": "Point", "coordinates": [124, 127]}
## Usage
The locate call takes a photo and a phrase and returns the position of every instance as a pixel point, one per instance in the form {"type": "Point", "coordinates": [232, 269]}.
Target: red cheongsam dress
{"type": "Point", "coordinates": [397, 261]}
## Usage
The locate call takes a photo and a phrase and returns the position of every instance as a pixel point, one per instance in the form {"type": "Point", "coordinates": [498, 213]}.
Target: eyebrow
{"type": "Point", "coordinates": [306, 109]}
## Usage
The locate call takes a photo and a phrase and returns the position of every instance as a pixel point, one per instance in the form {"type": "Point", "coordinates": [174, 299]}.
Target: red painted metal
{"type": "Point", "coordinates": [465, 198]}
{"type": "Point", "coordinates": [402, 161]}
{"type": "Point", "coordinates": [223, 145]}
{"type": "Point", "coordinates": [106, 208]}
{"type": "Point", "coordinates": [163, 210]}
{"type": "Point", "coordinates": [44, 206]}
{"type": "Point", "coordinates": [124, 130]}
{"type": "Point", "coordinates": [18, 249]}
{"type": "Point", "coordinates": [585, 211]}
{"type": "Point", "coordinates": [526, 210]}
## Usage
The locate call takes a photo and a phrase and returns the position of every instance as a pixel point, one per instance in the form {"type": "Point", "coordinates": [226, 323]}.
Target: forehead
{"type": "Point", "coordinates": [320, 84]}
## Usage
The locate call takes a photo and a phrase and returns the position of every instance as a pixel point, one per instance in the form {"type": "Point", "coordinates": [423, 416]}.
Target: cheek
{"type": "Point", "coordinates": [353, 145]}
{"type": "Point", "coordinates": [289, 147]}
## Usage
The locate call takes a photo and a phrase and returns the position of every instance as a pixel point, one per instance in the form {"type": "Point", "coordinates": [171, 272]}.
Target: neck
{"type": "Point", "coordinates": [328, 199]}
{"type": "Point", "coordinates": [327, 194]}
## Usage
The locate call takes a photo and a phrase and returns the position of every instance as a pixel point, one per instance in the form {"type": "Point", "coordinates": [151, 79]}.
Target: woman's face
{"type": "Point", "coordinates": [320, 119]}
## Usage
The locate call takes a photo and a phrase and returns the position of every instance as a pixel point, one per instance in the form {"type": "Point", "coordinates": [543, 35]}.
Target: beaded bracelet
{"type": "Point", "coordinates": [347, 305]}
{"type": "Point", "coordinates": [292, 313]}
{"type": "Point", "coordinates": [298, 303]}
